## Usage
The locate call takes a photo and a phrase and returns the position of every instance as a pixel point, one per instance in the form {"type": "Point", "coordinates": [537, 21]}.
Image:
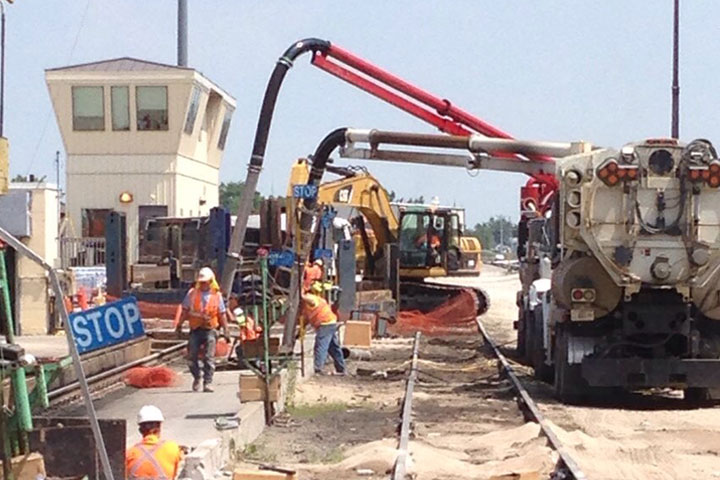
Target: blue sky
{"type": "Point", "coordinates": [541, 70]}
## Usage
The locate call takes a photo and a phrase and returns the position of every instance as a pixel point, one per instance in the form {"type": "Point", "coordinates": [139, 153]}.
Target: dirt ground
{"type": "Point", "coordinates": [466, 423]}
{"type": "Point", "coordinates": [635, 436]}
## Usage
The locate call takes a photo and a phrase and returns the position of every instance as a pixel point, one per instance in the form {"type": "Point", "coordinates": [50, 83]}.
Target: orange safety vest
{"type": "Point", "coordinates": [249, 331]}
{"type": "Point", "coordinates": [433, 243]}
{"type": "Point", "coordinates": [320, 314]}
{"type": "Point", "coordinates": [208, 317]}
{"type": "Point", "coordinates": [152, 459]}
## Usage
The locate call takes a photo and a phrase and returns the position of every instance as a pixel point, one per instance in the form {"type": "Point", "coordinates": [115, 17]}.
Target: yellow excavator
{"type": "Point", "coordinates": [429, 237]}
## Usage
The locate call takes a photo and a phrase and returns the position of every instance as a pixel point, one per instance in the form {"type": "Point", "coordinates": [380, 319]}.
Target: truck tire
{"type": "Point", "coordinates": [569, 385]}
{"type": "Point", "coordinates": [529, 338]}
{"type": "Point", "coordinates": [520, 347]}
{"type": "Point", "coordinates": [542, 371]}
{"type": "Point", "coordinates": [696, 395]}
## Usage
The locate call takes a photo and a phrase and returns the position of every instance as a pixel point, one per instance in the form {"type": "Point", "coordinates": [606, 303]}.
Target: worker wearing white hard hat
{"type": "Point", "coordinates": [204, 307]}
{"type": "Point", "coordinates": [152, 458]}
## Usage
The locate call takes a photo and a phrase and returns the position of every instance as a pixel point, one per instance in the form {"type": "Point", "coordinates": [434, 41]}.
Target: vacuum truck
{"type": "Point", "coordinates": [621, 278]}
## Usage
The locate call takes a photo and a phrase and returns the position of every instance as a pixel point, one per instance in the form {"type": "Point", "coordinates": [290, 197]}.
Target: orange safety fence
{"type": "Point", "coordinates": [151, 377]}
{"type": "Point", "coordinates": [454, 317]}
{"type": "Point", "coordinates": [167, 311]}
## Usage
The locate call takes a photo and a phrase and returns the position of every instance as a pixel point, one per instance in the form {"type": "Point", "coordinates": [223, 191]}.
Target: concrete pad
{"type": "Point", "coordinates": [51, 347]}
{"type": "Point", "coordinates": [189, 416]}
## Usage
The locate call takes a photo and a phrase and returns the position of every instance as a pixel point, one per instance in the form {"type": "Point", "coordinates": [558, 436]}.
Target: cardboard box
{"type": "Point", "coordinates": [256, 348]}
{"type": "Point", "coordinates": [252, 388]}
{"type": "Point", "coordinates": [358, 334]}
{"type": "Point", "coordinates": [27, 467]}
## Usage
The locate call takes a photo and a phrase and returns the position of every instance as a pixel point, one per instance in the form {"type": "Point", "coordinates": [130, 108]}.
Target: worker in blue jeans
{"type": "Point", "coordinates": [318, 313]}
{"type": "Point", "coordinates": [204, 307]}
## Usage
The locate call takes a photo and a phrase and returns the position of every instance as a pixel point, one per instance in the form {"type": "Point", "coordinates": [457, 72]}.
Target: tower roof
{"type": "Point", "coordinates": [122, 64]}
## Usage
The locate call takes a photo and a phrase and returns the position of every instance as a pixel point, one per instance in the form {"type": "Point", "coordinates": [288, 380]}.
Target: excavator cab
{"type": "Point", "coordinates": [428, 240]}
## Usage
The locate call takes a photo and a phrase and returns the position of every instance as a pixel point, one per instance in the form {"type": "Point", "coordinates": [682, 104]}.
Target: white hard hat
{"type": "Point", "coordinates": [318, 261]}
{"type": "Point", "coordinates": [150, 413]}
{"type": "Point", "coordinates": [205, 275]}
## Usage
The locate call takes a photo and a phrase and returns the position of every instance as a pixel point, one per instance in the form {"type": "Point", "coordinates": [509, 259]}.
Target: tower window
{"type": "Point", "coordinates": [152, 108]}
{"type": "Point", "coordinates": [88, 108]}
{"type": "Point", "coordinates": [120, 106]}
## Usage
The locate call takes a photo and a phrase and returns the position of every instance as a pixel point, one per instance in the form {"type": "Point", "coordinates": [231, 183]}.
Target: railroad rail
{"type": "Point", "coordinates": [400, 466]}
{"type": "Point", "coordinates": [70, 392]}
{"type": "Point", "coordinates": [566, 467]}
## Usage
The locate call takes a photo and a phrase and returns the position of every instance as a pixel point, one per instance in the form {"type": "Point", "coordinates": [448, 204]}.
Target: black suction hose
{"type": "Point", "coordinates": [284, 63]}
{"type": "Point", "coordinates": [320, 159]}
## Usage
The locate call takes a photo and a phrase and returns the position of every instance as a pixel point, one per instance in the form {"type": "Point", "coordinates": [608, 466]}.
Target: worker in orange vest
{"type": "Point", "coordinates": [152, 458]}
{"type": "Point", "coordinates": [319, 314]}
{"type": "Point", "coordinates": [313, 273]}
{"type": "Point", "coordinates": [205, 308]}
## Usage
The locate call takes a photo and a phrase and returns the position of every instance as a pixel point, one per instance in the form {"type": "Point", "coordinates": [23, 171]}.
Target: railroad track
{"type": "Point", "coordinates": [110, 379]}
{"type": "Point", "coordinates": [566, 468]}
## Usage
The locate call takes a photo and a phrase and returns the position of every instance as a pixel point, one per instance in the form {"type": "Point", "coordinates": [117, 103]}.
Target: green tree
{"type": "Point", "coordinates": [230, 194]}
{"type": "Point", "coordinates": [494, 232]}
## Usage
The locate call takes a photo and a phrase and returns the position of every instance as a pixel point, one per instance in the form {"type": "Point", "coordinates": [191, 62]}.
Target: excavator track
{"type": "Point", "coordinates": [425, 297]}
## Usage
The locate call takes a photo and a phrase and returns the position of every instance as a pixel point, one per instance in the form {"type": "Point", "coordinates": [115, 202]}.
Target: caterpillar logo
{"type": "Point", "coordinates": [344, 195]}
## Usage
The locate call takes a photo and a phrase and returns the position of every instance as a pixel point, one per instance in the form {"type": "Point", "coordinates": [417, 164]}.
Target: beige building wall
{"type": "Point", "coordinates": [172, 167]}
{"type": "Point", "coordinates": [31, 284]}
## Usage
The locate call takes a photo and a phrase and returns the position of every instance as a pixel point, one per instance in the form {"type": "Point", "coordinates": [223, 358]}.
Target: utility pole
{"type": "Point", "coordinates": [675, 128]}
{"type": "Point", "coordinates": [2, 67]}
{"type": "Point", "coordinates": [182, 27]}
{"type": "Point", "coordinates": [59, 196]}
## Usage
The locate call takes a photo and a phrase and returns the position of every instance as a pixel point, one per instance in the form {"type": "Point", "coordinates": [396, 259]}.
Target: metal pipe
{"type": "Point", "coordinates": [2, 68]}
{"type": "Point", "coordinates": [41, 385]}
{"type": "Point", "coordinates": [675, 128]}
{"type": "Point", "coordinates": [182, 33]}
{"type": "Point", "coordinates": [474, 143]}
{"type": "Point", "coordinates": [21, 400]}
{"type": "Point", "coordinates": [468, 162]}
{"type": "Point", "coordinates": [284, 63]}
{"type": "Point", "coordinates": [79, 372]}
{"type": "Point", "coordinates": [114, 371]}
{"type": "Point", "coordinates": [5, 297]}
{"type": "Point", "coordinates": [5, 432]}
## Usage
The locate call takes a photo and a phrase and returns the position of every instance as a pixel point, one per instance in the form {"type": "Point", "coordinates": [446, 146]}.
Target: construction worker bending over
{"type": "Point", "coordinates": [152, 458]}
{"type": "Point", "coordinates": [317, 312]}
{"type": "Point", "coordinates": [249, 330]}
{"type": "Point", "coordinates": [205, 308]}
{"type": "Point", "coordinates": [313, 273]}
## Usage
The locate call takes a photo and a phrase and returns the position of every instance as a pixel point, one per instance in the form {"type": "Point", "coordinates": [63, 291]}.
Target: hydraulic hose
{"type": "Point", "coordinates": [284, 63]}
{"type": "Point", "coordinates": [320, 159]}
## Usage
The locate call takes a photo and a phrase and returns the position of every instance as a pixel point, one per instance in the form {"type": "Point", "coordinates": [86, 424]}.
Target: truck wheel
{"type": "Point", "coordinates": [530, 342]}
{"type": "Point", "coordinates": [520, 347]}
{"type": "Point", "coordinates": [696, 395]}
{"type": "Point", "coordinates": [542, 371]}
{"type": "Point", "coordinates": [569, 385]}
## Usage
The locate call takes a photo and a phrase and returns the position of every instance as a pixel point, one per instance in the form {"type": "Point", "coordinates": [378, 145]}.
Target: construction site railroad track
{"type": "Point", "coordinates": [566, 468]}
{"type": "Point", "coordinates": [109, 380]}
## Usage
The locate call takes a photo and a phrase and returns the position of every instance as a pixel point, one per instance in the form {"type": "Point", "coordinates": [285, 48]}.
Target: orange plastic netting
{"type": "Point", "coordinates": [151, 377]}
{"type": "Point", "coordinates": [454, 317]}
